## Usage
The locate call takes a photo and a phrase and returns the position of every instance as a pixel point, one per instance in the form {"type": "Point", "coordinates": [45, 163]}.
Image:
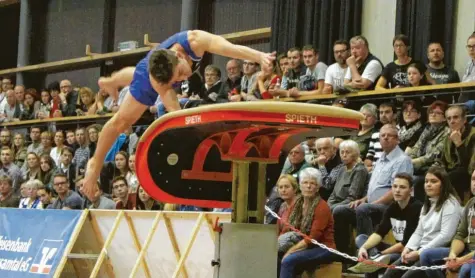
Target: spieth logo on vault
{"type": "Point", "coordinates": [300, 119]}
{"type": "Point", "coordinates": [47, 254]}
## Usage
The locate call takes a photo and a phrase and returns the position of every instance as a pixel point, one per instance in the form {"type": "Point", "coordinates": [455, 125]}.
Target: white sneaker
{"type": "Point", "coordinates": [370, 268]}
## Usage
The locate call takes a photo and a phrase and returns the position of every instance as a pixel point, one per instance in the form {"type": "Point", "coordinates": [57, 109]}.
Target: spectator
{"type": "Point", "coordinates": [7, 84]}
{"type": "Point", "coordinates": [367, 128]}
{"type": "Point", "coordinates": [45, 106]}
{"type": "Point", "coordinates": [438, 71]}
{"type": "Point", "coordinates": [145, 202]}
{"type": "Point", "coordinates": [45, 195]}
{"type": "Point", "coordinates": [71, 140]}
{"type": "Point", "coordinates": [329, 164]}
{"type": "Point", "coordinates": [363, 212]}
{"type": "Point", "coordinates": [120, 189]}
{"type": "Point", "coordinates": [214, 91]}
{"type": "Point", "coordinates": [30, 105]}
{"type": "Point", "coordinates": [248, 79]}
{"type": "Point", "coordinates": [364, 68]}
{"type": "Point", "coordinates": [313, 81]}
{"type": "Point", "coordinates": [311, 215]}
{"type": "Point", "coordinates": [131, 176]}
{"type": "Point", "coordinates": [83, 153]}
{"type": "Point", "coordinates": [55, 152]}
{"type": "Point", "coordinates": [296, 162]}
{"type": "Point", "coordinates": [352, 178]}
{"type": "Point", "coordinates": [266, 85]}
{"type": "Point", "coordinates": [458, 149]}
{"type": "Point", "coordinates": [9, 168]}
{"type": "Point", "coordinates": [100, 201]}
{"type": "Point", "coordinates": [46, 142]}
{"type": "Point", "coordinates": [48, 169]}
{"type": "Point", "coordinates": [5, 138]}
{"type": "Point", "coordinates": [415, 75]}
{"type": "Point", "coordinates": [412, 126]}
{"type": "Point", "coordinates": [67, 199]}
{"type": "Point", "coordinates": [400, 218]}
{"type": "Point", "coordinates": [429, 146]}
{"type": "Point", "coordinates": [11, 112]}
{"type": "Point", "coordinates": [234, 71]}
{"type": "Point", "coordinates": [32, 170]}
{"type": "Point", "coordinates": [92, 136]}
{"type": "Point", "coordinates": [66, 166]}
{"type": "Point", "coordinates": [7, 197]}
{"type": "Point", "coordinates": [19, 149]}
{"type": "Point", "coordinates": [283, 62]}
{"type": "Point", "coordinates": [32, 201]}
{"type": "Point", "coordinates": [20, 94]}
{"type": "Point", "coordinates": [35, 136]}
{"type": "Point", "coordinates": [288, 190]}
{"type": "Point", "coordinates": [469, 75]}
{"type": "Point", "coordinates": [295, 71]}
{"type": "Point", "coordinates": [335, 75]}
{"type": "Point", "coordinates": [69, 98]}
{"type": "Point", "coordinates": [437, 223]}
{"type": "Point", "coordinates": [86, 102]}
{"type": "Point", "coordinates": [56, 103]}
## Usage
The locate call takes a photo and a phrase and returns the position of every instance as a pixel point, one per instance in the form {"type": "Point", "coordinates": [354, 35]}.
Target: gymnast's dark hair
{"type": "Point", "coordinates": [161, 65]}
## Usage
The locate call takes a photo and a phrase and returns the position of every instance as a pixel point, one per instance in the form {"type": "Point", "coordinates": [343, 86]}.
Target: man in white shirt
{"type": "Point", "coordinates": [364, 67]}
{"type": "Point", "coordinates": [314, 79]}
{"type": "Point", "coordinates": [335, 76]}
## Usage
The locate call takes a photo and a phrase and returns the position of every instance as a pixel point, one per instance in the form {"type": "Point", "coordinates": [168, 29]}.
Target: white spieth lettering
{"type": "Point", "coordinates": [193, 119]}
{"type": "Point", "coordinates": [300, 119]}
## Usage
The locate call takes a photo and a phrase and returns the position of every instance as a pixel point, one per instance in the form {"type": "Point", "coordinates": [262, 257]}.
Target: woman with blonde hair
{"type": "Point", "coordinates": [86, 102]}
{"type": "Point", "coordinates": [19, 149]}
{"type": "Point", "coordinates": [32, 201]}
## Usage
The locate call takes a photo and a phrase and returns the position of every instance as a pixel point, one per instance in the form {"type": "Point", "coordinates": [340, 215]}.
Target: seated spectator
{"type": "Point", "coordinates": [46, 196]}
{"type": "Point", "coordinates": [92, 133]}
{"type": "Point", "coordinates": [367, 128]}
{"type": "Point", "coordinates": [248, 79]}
{"type": "Point", "coordinates": [35, 136]}
{"type": "Point", "coordinates": [400, 218]}
{"type": "Point", "coordinates": [387, 115]}
{"type": "Point", "coordinates": [67, 199]}
{"type": "Point", "coordinates": [32, 201]}
{"type": "Point", "coordinates": [71, 140]}
{"type": "Point", "coordinates": [56, 103]}
{"type": "Point", "coordinates": [469, 75]}
{"type": "Point", "coordinates": [5, 138]}
{"type": "Point", "coordinates": [12, 110]}
{"type": "Point", "coordinates": [412, 127]}
{"type": "Point", "coordinates": [416, 73]}
{"type": "Point", "coordinates": [145, 202]}
{"type": "Point", "coordinates": [120, 189]}
{"type": "Point", "coordinates": [69, 97]}
{"type": "Point", "coordinates": [352, 178]}
{"type": "Point", "coordinates": [296, 69]}
{"type": "Point", "coordinates": [328, 162]}
{"type": "Point", "coordinates": [283, 63]}
{"type": "Point", "coordinates": [266, 84]}
{"type": "Point", "coordinates": [462, 248]}
{"type": "Point", "coordinates": [131, 176]}
{"type": "Point", "coordinates": [364, 68]}
{"type": "Point", "coordinates": [458, 149]}
{"type": "Point", "coordinates": [100, 201]}
{"type": "Point", "coordinates": [311, 215]}
{"type": "Point", "coordinates": [8, 199]}
{"type": "Point", "coordinates": [19, 149]}
{"type": "Point", "coordinates": [66, 166]}
{"type": "Point", "coordinates": [437, 223]}
{"type": "Point", "coordinates": [313, 81]}
{"type": "Point", "coordinates": [30, 105]}
{"type": "Point", "coordinates": [363, 212]}
{"type": "Point", "coordinates": [83, 153]}
{"type": "Point", "coordinates": [429, 146]}
{"type": "Point", "coordinates": [9, 168]}
{"type": "Point", "coordinates": [335, 75]}
{"type": "Point", "coordinates": [281, 198]}
{"type": "Point", "coordinates": [44, 108]}
{"type": "Point", "coordinates": [48, 168]}
{"type": "Point", "coordinates": [438, 71]}
{"type": "Point", "coordinates": [46, 142]}
{"type": "Point", "coordinates": [234, 72]}
{"type": "Point", "coordinates": [55, 152]}
{"type": "Point", "coordinates": [32, 170]}
{"type": "Point", "coordinates": [213, 90]}
{"type": "Point", "coordinates": [296, 162]}
{"type": "Point", "coordinates": [86, 102]}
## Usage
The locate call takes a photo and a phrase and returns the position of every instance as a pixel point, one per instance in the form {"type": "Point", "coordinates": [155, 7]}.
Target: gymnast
{"type": "Point", "coordinates": [164, 66]}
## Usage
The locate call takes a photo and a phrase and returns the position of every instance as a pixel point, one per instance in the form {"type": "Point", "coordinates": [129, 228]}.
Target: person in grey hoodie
{"type": "Point", "coordinates": [462, 247]}
{"type": "Point", "coordinates": [438, 221]}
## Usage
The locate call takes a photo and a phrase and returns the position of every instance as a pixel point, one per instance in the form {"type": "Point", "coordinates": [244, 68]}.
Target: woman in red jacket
{"type": "Point", "coordinates": [312, 216]}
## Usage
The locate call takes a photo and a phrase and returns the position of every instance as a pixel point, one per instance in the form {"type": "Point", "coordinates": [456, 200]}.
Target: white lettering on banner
{"type": "Point", "coordinates": [14, 245]}
{"type": "Point", "coordinates": [398, 228]}
{"type": "Point", "coordinates": [300, 119]}
{"type": "Point", "coordinates": [193, 119]}
{"type": "Point", "coordinates": [21, 264]}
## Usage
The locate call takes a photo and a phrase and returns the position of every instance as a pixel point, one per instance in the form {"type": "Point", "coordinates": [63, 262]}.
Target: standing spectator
{"type": "Point", "coordinates": [439, 72]}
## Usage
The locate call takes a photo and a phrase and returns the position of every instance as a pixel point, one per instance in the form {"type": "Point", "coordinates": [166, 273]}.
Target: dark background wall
{"type": "Point", "coordinates": [9, 20]}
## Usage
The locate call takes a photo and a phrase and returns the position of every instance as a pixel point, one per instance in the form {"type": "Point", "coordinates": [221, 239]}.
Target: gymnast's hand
{"type": "Point", "coordinates": [266, 61]}
{"type": "Point", "coordinates": [90, 179]}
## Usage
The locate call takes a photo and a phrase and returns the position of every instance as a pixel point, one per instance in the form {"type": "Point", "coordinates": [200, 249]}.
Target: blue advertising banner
{"type": "Point", "coordinates": [33, 241]}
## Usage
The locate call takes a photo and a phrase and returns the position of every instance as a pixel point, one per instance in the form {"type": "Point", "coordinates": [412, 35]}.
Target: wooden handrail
{"type": "Point", "coordinates": [61, 119]}
{"type": "Point", "coordinates": [4, 3]}
{"type": "Point", "coordinates": [94, 59]}
{"type": "Point", "coordinates": [379, 92]}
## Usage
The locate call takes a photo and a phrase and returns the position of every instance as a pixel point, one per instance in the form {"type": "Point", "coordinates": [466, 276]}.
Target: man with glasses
{"type": "Point", "coordinates": [67, 199]}
{"type": "Point", "coordinates": [335, 75]}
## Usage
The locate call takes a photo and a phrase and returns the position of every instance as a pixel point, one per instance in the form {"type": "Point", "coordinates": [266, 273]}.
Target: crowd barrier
{"type": "Point", "coordinates": [101, 243]}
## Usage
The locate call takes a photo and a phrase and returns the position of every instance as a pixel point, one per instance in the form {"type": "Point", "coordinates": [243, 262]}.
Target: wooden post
{"type": "Point", "coordinates": [70, 246]}
{"type": "Point", "coordinates": [242, 183]}
{"type": "Point", "coordinates": [153, 229]}
{"type": "Point", "coordinates": [137, 244]}
{"type": "Point", "coordinates": [261, 192]}
{"type": "Point", "coordinates": [181, 262]}
{"type": "Point", "coordinates": [103, 253]}
{"type": "Point", "coordinates": [173, 241]}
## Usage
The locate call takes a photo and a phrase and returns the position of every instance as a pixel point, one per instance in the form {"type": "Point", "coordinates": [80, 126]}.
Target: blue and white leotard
{"type": "Point", "coordinates": [141, 88]}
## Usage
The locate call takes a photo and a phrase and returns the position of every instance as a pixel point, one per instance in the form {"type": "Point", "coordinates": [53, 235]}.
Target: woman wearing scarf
{"type": "Point", "coordinates": [312, 216]}
{"type": "Point", "coordinates": [429, 146]}
{"type": "Point", "coordinates": [412, 129]}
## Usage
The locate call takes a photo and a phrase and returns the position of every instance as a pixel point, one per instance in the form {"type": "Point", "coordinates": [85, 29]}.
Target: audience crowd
{"type": "Point", "coordinates": [406, 174]}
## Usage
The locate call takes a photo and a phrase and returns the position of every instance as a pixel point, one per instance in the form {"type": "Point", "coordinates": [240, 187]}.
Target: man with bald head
{"type": "Point", "coordinates": [12, 110]}
{"type": "Point", "coordinates": [234, 72]}
{"type": "Point", "coordinates": [328, 162]}
{"type": "Point", "coordinates": [20, 93]}
{"type": "Point", "coordinates": [69, 98]}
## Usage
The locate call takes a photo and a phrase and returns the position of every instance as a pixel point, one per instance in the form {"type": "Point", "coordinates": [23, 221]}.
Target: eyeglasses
{"type": "Point", "coordinates": [470, 46]}
{"type": "Point", "coordinates": [340, 51]}
{"type": "Point", "coordinates": [437, 113]}
{"type": "Point", "coordinates": [60, 183]}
